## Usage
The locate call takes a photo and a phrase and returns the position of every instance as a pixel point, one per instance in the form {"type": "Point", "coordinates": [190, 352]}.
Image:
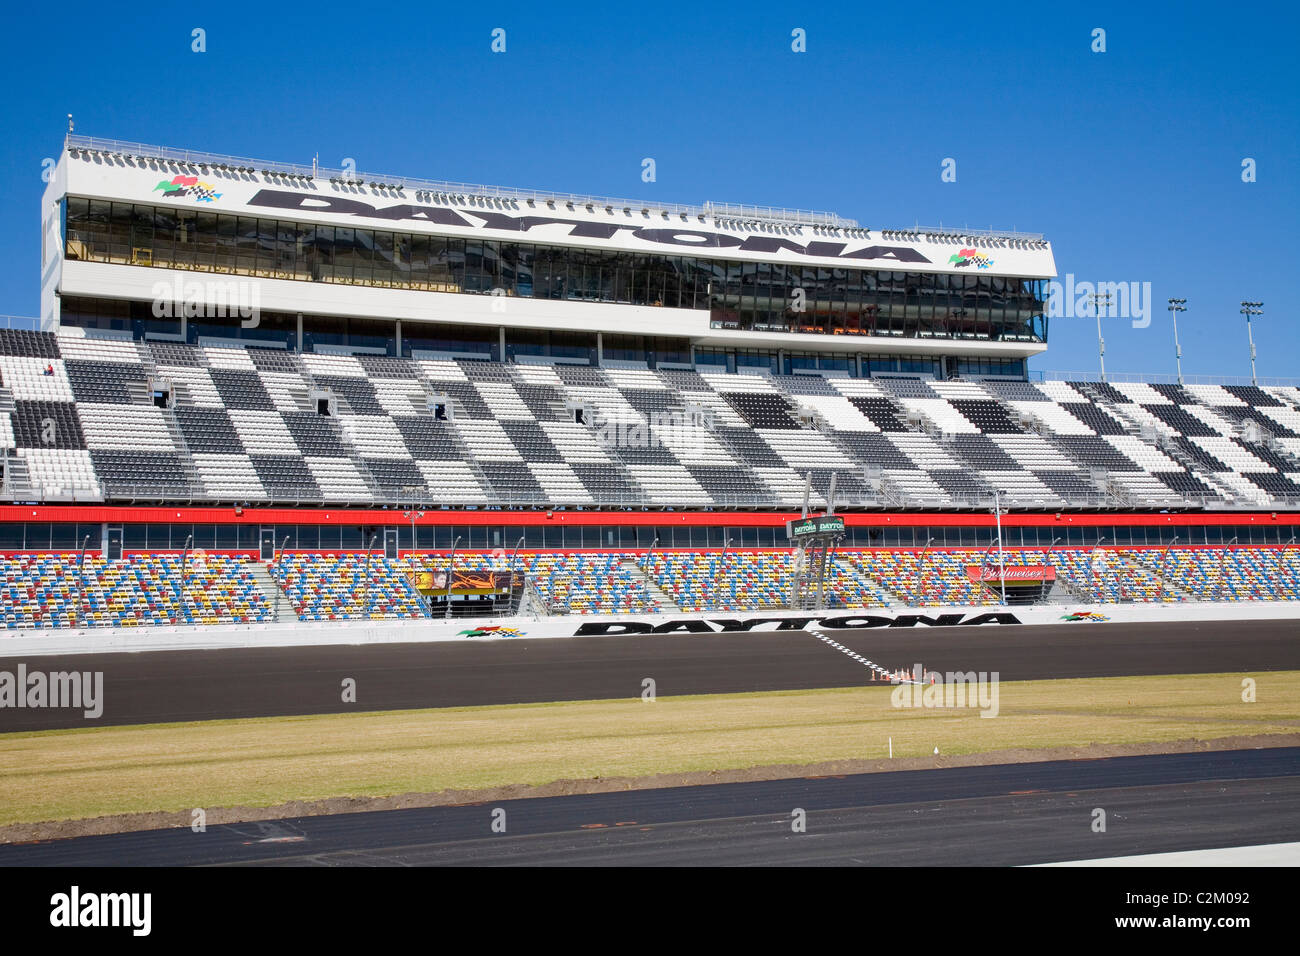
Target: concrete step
{"type": "Point", "coordinates": [279, 603]}
{"type": "Point", "coordinates": [659, 600]}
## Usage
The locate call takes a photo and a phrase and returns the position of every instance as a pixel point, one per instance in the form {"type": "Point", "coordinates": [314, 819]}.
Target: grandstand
{"type": "Point", "coordinates": [259, 390]}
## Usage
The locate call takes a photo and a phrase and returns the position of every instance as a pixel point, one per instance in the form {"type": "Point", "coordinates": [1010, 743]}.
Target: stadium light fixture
{"type": "Point", "coordinates": [1098, 300]}
{"type": "Point", "coordinates": [1176, 306]}
{"type": "Point", "coordinates": [1248, 309]}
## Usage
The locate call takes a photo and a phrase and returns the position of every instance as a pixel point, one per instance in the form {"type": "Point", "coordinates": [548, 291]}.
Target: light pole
{"type": "Point", "coordinates": [365, 591]}
{"type": "Point", "coordinates": [1164, 561]}
{"type": "Point", "coordinates": [451, 567]}
{"type": "Point", "coordinates": [81, 581]}
{"type": "Point", "coordinates": [645, 571]}
{"type": "Point", "coordinates": [722, 573]}
{"type": "Point", "coordinates": [1050, 548]}
{"type": "Point", "coordinates": [411, 516]}
{"type": "Point", "coordinates": [1092, 569]}
{"type": "Point", "coordinates": [1098, 300]}
{"type": "Point", "coordinates": [185, 556]}
{"type": "Point", "coordinates": [1295, 579]}
{"type": "Point", "coordinates": [1248, 309]}
{"type": "Point", "coordinates": [1218, 591]}
{"type": "Point", "coordinates": [511, 569]}
{"type": "Point", "coordinates": [277, 576]}
{"type": "Point", "coordinates": [1176, 306]}
{"type": "Point", "coordinates": [1002, 566]}
{"type": "Point", "coordinates": [920, 569]}
{"type": "Point", "coordinates": [410, 558]}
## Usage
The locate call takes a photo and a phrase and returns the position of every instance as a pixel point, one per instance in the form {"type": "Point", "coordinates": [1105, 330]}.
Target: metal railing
{"type": "Point", "coordinates": [891, 498]}
{"type": "Point", "coordinates": [1153, 378]}
{"type": "Point", "coordinates": [24, 323]}
{"type": "Point", "coordinates": [133, 152]}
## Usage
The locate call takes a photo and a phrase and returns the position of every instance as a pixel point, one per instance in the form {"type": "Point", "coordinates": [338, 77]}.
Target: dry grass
{"type": "Point", "coordinates": [92, 772]}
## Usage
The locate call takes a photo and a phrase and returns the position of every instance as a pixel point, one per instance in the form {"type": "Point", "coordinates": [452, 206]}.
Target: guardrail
{"type": "Point", "coordinates": [25, 323]}
{"type": "Point", "coordinates": [113, 148]}
{"type": "Point", "coordinates": [1150, 378]}
{"type": "Point", "coordinates": [884, 502]}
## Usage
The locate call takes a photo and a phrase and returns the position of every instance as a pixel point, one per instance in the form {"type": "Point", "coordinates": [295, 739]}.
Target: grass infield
{"type": "Point", "coordinates": [99, 771]}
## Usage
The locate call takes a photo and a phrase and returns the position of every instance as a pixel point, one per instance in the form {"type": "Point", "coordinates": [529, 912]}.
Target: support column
{"type": "Point", "coordinates": [299, 344]}
{"type": "Point", "coordinates": [501, 341]}
{"type": "Point", "coordinates": [398, 326]}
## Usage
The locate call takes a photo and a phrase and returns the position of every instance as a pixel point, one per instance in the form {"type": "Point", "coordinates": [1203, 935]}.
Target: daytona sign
{"type": "Point", "coordinates": [289, 201]}
{"type": "Point", "coordinates": [847, 622]}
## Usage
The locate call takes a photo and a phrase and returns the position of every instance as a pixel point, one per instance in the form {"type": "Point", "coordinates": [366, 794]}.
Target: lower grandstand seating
{"type": "Point", "coordinates": [48, 590]}
{"type": "Point", "coordinates": [329, 587]}
{"type": "Point", "coordinates": [45, 590]}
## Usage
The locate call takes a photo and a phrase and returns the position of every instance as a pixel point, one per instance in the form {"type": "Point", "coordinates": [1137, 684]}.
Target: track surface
{"type": "Point", "coordinates": [997, 815]}
{"type": "Point", "coordinates": [165, 686]}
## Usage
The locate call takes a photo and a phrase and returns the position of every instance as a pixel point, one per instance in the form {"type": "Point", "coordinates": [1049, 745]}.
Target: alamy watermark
{"type": "Point", "coordinates": [208, 299]}
{"type": "Point", "coordinates": [1114, 300]}
{"type": "Point", "coordinates": [54, 689]}
{"type": "Point", "coordinates": [76, 908]}
{"type": "Point", "coordinates": [676, 429]}
{"type": "Point", "coordinates": [953, 689]}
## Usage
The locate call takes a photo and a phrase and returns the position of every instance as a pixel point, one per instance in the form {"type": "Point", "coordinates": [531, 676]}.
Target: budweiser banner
{"type": "Point", "coordinates": [1011, 574]}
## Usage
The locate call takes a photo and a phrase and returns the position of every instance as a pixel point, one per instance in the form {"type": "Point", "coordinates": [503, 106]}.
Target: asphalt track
{"type": "Point", "coordinates": [1000, 815]}
{"type": "Point", "coordinates": [163, 686]}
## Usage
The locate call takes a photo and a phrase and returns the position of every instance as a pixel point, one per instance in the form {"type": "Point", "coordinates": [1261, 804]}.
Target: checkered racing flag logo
{"type": "Point", "coordinates": [180, 186]}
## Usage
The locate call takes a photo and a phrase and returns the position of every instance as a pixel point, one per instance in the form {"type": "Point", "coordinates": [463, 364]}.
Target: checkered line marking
{"type": "Point", "coordinates": [891, 676]}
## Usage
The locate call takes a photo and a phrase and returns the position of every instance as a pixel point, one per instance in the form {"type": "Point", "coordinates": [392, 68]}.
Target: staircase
{"type": "Point", "coordinates": [275, 598]}
{"type": "Point", "coordinates": [17, 484]}
{"type": "Point", "coordinates": [658, 599]}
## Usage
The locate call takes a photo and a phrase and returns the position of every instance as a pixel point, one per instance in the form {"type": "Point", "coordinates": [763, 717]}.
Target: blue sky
{"type": "Point", "coordinates": [1128, 160]}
